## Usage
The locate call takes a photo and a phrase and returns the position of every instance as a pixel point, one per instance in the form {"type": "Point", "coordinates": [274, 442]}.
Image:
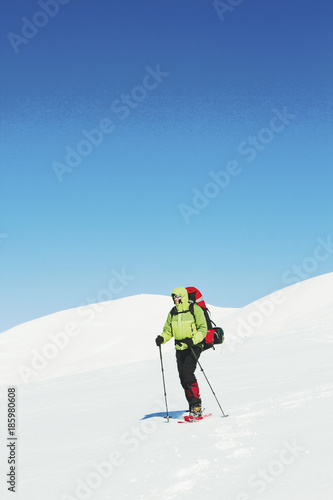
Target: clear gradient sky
{"type": "Point", "coordinates": [174, 142]}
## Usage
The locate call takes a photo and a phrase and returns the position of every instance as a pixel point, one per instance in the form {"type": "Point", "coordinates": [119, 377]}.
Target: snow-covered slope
{"type": "Point", "coordinates": [90, 409]}
{"type": "Point", "coordinates": [86, 338]}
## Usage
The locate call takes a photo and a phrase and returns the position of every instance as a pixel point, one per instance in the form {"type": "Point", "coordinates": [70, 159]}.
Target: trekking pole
{"type": "Point", "coordinates": [165, 396]}
{"type": "Point", "coordinates": [197, 360]}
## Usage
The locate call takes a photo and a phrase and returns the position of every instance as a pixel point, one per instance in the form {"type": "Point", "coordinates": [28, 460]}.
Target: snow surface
{"type": "Point", "coordinates": [90, 403]}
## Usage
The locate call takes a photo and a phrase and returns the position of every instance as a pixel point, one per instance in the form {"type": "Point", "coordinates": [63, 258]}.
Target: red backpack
{"type": "Point", "coordinates": [215, 334]}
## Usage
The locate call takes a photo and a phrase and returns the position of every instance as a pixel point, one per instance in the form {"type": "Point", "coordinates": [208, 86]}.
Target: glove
{"type": "Point", "coordinates": [159, 340]}
{"type": "Point", "coordinates": [189, 342]}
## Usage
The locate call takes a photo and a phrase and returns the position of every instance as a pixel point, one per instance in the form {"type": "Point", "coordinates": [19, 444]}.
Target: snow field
{"type": "Point", "coordinates": [90, 423]}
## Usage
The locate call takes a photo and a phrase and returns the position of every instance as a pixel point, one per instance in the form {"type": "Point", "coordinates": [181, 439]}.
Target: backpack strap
{"type": "Point", "coordinates": [208, 318]}
{"type": "Point", "coordinates": [209, 321]}
{"type": "Point", "coordinates": [174, 311]}
{"type": "Point", "coordinates": [191, 309]}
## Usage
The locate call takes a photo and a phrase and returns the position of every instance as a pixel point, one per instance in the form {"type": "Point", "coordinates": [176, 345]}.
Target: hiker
{"type": "Point", "coordinates": [189, 331]}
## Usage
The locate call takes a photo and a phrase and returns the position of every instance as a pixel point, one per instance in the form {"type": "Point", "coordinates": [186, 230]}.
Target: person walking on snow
{"type": "Point", "coordinates": [189, 331]}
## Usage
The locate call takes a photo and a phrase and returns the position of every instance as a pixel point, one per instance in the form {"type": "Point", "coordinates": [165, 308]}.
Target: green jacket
{"type": "Point", "coordinates": [183, 325]}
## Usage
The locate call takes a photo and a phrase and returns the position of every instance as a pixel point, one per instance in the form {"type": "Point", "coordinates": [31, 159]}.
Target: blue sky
{"type": "Point", "coordinates": [117, 120]}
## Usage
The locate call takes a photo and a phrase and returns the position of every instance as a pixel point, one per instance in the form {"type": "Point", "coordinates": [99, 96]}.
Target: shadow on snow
{"type": "Point", "coordinates": [172, 414]}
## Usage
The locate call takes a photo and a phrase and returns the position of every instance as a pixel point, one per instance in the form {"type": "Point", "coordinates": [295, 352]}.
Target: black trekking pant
{"type": "Point", "coordinates": [186, 364]}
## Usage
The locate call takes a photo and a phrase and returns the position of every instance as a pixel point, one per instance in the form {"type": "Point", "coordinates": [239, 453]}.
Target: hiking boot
{"type": "Point", "coordinates": [196, 411]}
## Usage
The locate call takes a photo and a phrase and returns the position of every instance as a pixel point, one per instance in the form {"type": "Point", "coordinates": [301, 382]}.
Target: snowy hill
{"type": "Point", "coordinates": [90, 403]}
{"type": "Point", "coordinates": [86, 338]}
